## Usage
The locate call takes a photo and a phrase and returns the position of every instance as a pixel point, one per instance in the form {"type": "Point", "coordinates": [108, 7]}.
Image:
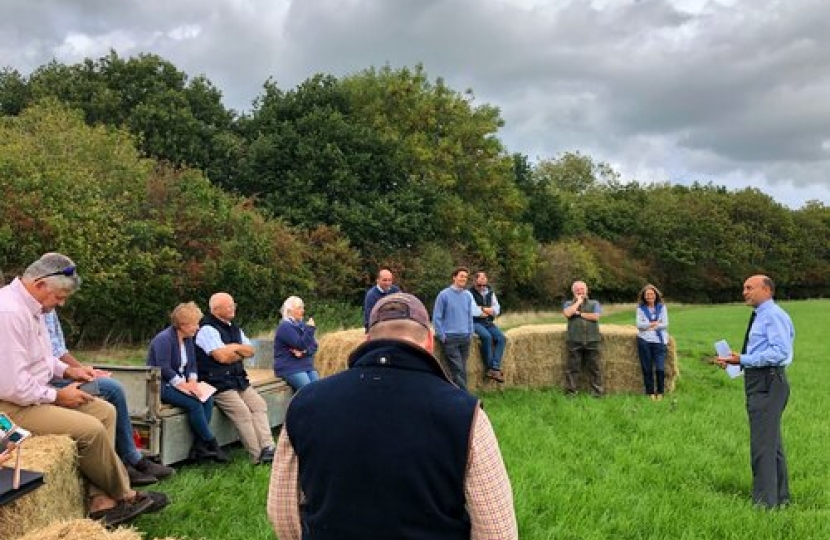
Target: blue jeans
{"type": "Point", "coordinates": [113, 392]}
{"type": "Point", "coordinates": [456, 351]}
{"type": "Point", "coordinates": [198, 413]}
{"type": "Point", "coordinates": [301, 378]}
{"type": "Point", "coordinates": [489, 335]}
{"type": "Point", "coordinates": [652, 362]}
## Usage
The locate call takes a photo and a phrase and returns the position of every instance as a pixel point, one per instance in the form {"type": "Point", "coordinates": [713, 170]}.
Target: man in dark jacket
{"type": "Point", "coordinates": [390, 448]}
{"type": "Point", "coordinates": [383, 286]}
{"type": "Point", "coordinates": [221, 347]}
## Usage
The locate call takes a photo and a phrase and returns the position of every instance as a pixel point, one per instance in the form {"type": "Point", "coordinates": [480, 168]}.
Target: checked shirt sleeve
{"type": "Point", "coordinates": [284, 494]}
{"type": "Point", "coordinates": [487, 486]}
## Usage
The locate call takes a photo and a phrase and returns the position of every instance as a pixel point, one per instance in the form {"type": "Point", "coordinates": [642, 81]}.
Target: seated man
{"type": "Point", "coordinates": [141, 470]}
{"type": "Point", "coordinates": [492, 339]}
{"type": "Point", "coordinates": [27, 398]}
{"type": "Point", "coordinates": [221, 347]}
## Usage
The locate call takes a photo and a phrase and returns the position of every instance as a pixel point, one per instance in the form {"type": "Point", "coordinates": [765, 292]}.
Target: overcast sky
{"type": "Point", "coordinates": [736, 92]}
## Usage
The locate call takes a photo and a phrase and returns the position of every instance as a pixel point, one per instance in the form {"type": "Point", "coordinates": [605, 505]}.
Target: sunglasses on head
{"type": "Point", "coordinates": [69, 271]}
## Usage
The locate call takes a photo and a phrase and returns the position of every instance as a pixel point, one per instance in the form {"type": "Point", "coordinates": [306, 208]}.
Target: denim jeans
{"type": "Point", "coordinates": [653, 363]}
{"type": "Point", "coordinates": [301, 378]}
{"type": "Point", "coordinates": [490, 335]}
{"type": "Point", "coordinates": [113, 392]}
{"type": "Point", "coordinates": [198, 413]}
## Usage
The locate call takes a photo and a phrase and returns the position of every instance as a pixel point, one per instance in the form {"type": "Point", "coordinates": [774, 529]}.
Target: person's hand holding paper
{"type": "Point", "coordinates": [727, 359]}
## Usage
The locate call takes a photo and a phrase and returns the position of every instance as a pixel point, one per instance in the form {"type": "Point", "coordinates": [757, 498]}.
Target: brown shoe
{"type": "Point", "coordinates": [496, 375]}
{"type": "Point", "coordinates": [123, 511]}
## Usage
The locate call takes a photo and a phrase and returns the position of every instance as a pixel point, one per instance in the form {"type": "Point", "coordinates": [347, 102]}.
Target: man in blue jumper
{"type": "Point", "coordinates": [452, 318]}
{"type": "Point", "coordinates": [384, 286]}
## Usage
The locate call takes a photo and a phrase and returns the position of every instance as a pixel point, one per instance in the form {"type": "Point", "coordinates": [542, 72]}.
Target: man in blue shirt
{"type": "Point", "coordinates": [767, 351]}
{"type": "Point", "coordinates": [141, 470]}
{"type": "Point", "coordinates": [452, 317]}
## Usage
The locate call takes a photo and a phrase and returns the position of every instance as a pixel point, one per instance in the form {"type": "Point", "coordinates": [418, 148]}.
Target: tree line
{"type": "Point", "coordinates": [161, 193]}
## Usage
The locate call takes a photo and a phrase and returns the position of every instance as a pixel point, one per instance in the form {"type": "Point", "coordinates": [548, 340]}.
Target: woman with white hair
{"type": "Point", "coordinates": [295, 345]}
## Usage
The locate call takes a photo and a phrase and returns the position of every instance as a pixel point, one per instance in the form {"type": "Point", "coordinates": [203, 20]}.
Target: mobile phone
{"type": "Point", "coordinates": [18, 435]}
{"type": "Point", "coordinates": [90, 387]}
{"type": "Point", "coordinates": [6, 424]}
{"type": "Point", "coordinates": [9, 432]}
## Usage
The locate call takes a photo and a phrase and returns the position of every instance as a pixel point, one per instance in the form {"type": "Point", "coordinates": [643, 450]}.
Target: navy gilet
{"type": "Point", "coordinates": [383, 448]}
{"type": "Point", "coordinates": [222, 376]}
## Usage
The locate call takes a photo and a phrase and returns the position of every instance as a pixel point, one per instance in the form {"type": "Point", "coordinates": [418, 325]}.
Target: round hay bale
{"type": "Point", "coordinates": [534, 357]}
{"type": "Point", "coordinates": [61, 496]}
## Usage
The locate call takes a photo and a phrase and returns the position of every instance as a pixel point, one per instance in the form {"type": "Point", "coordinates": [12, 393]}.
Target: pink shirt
{"type": "Point", "coordinates": [486, 487]}
{"type": "Point", "coordinates": [26, 361]}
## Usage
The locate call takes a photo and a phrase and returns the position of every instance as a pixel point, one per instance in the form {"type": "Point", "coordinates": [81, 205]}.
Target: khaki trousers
{"type": "Point", "coordinates": [92, 427]}
{"type": "Point", "coordinates": [249, 413]}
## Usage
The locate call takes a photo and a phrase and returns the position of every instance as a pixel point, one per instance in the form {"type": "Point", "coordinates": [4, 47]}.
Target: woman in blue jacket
{"type": "Point", "coordinates": [295, 345]}
{"type": "Point", "coordinates": [174, 352]}
{"type": "Point", "coordinates": [652, 339]}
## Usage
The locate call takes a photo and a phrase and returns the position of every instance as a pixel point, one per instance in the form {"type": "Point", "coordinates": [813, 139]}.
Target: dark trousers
{"type": "Point", "coordinates": [457, 350]}
{"type": "Point", "coordinates": [653, 364]}
{"type": "Point", "coordinates": [767, 392]}
{"type": "Point", "coordinates": [492, 344]}
{"type": "Point", "coordinates": [579, 354]}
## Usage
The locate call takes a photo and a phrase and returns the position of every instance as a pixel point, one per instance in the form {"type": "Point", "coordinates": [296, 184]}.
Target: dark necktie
{"type": "Point", "coordinates": [748, 329]}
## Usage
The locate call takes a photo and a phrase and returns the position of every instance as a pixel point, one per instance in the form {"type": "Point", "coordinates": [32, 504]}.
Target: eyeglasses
{"type": "Point", "coordinates": [69, 271]}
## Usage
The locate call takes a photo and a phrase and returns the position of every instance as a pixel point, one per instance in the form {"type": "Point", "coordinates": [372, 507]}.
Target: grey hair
{"type": "Point", "coordinates": [290, 303]}
{"type": "Point", "coordinates": [53, 263]}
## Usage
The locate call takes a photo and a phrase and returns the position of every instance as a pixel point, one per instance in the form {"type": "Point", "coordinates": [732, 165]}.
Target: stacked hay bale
{"type": "Point", "coordinates": [83, 529]}
{"type": "Point", "coordinates": [333, 350]}
{"type": "Point", "coordinates": [61, 496]}
{"type": "Point", "coordinates": [534, 358]}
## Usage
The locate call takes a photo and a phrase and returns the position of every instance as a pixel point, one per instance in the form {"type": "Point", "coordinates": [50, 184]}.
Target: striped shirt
{"type": "Point", "coordinates": [486, 486]}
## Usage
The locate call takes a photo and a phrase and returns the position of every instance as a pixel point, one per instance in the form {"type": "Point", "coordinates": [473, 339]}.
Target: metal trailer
{"type": "Point", "coordinates": [163, 433]}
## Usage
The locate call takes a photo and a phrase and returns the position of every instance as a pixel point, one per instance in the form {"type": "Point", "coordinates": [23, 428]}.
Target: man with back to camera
{"type": "Point", "coordinates": [583, 340]}
{"type": "Point", "coordinates": [491, 337]}
{"type": "Point", "coordinates": [764, 357]}
{"type": "Point", "coordinates": [28, 399]}
{"type": "Point", "coordinates": [384, 286]}
{"type": "Point", "coordinates": [221, 347]}
{"type": "Point", "coordinates": [390, 448]}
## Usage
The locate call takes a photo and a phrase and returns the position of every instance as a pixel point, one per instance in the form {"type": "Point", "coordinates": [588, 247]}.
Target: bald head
{"type": "Point", "coordinates": [758, 289]}
{"type": "Point", "coordinates": [222, 306]}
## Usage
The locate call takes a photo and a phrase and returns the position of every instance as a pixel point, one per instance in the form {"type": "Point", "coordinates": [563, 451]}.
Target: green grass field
{"type": "Point", "coordinates": [621, 467]}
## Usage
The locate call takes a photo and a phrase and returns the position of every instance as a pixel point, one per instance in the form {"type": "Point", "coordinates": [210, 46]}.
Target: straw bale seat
{"type": "Point", "coordinates": [533, 358]}
{"type": "Point", "coordinates": [83, 529]}
{"type": "Point", "coordinates": [62, 495]}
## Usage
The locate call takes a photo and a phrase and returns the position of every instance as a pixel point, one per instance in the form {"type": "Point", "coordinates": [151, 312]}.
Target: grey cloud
{"type": "Point", "coordinates": [734, 90]}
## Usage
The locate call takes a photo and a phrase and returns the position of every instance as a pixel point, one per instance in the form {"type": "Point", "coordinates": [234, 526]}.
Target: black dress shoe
{"type": "Point", "coordinates": [139, 478]}
{"type": "Point", "coordinates": [219, 455]}
{"type": "Point", "coordinates": [267, 455]}
{"type": "Point", "coordinates": [156, 469]}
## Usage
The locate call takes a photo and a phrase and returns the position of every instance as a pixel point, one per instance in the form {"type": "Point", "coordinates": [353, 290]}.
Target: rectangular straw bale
{"type": "Point", "coordinates": [334, 348]}
{"type": "Point", "coordinates": [535, 355]}
{"type": "Point", "coordinates": [81, 529]}
{"type": "Point", "coordinates": [61, 496]}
